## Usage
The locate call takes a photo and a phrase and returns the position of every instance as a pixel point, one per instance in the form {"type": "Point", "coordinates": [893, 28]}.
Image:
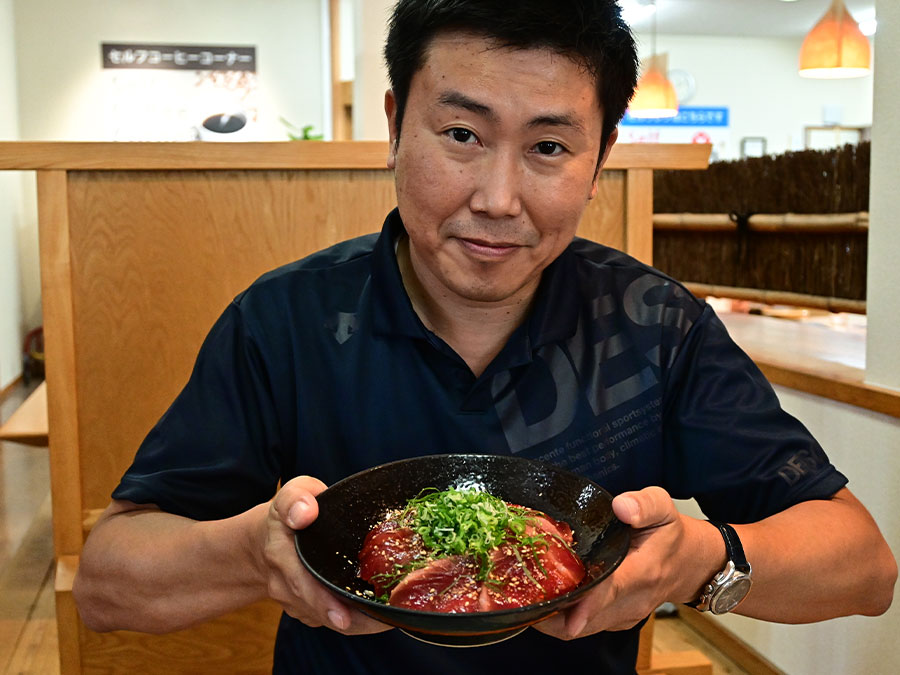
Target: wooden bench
{"type": "Point", "coordinates": [28, 424]}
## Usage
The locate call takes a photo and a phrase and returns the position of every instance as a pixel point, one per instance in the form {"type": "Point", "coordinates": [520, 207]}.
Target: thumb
{"type": "Point", "coordinates": [649, 507]}
{"type": "Point", "coordinates": [295, 504]}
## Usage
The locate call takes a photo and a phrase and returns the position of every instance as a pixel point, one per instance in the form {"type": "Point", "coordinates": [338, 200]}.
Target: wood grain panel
{"type": "Point", "coordinates": [240, 642]}
{"type": "Point", "coordinates": [604, 215]}
{"type": "Point", "coordinates": [157, 256]}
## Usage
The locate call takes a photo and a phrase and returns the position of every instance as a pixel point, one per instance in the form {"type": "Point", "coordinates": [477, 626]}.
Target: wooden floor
{"type": "Point", "coordinates": [28, 643]}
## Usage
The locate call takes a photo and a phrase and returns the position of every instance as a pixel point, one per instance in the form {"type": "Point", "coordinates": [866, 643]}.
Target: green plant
{"type": "Point", "coordinates": [301, 133]}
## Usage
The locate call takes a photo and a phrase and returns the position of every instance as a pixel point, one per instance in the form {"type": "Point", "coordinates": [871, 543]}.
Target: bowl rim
{"type": "Point", "coordinates": [557, 602]}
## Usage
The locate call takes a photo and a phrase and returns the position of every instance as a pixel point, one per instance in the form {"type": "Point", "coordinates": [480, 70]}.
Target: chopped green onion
{"type": "Point", "coordinates": [467, 522]}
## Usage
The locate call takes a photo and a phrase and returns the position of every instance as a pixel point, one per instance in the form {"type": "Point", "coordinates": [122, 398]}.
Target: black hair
{"type": "Point", "coordinates": [590, 32]}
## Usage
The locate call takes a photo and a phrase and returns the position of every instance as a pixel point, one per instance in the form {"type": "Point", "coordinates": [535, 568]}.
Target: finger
{"type": "Point", "coordinates": [334, 613]}
{"type": "Point", "coordinates": [595, 609]}
{"type": "Point", "coordinates": [554, 626]}
{"type": "Point", "coordinates": [361, 624]}
{"type": "Point", "coordinates": [295, 504]}
{"type": "Point", "coordinates": [307, 483]}
{"type": "Point", "coordinates": [649, 507]}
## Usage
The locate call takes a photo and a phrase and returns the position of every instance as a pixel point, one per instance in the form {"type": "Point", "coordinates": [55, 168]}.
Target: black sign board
{"type": "Point", "coordinates": [178, 57]}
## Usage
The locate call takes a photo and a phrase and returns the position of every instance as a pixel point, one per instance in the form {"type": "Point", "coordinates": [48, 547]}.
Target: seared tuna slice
{"type": "Point", "coordinates": [445, 585]}
{"type": "Point", "coordinates": [387, 553]}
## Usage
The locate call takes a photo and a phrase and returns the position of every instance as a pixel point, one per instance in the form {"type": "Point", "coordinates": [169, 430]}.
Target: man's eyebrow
{"type": "Point", "coordinates": [560, 120]}
{"type": "Point", "coordinates": [457, 99]}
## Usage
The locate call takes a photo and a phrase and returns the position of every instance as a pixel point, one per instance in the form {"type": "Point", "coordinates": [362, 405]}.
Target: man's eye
{"type": "Point", "coordinates": [461, 135]}
{"type": "Point", "coordinates": [549, 148]}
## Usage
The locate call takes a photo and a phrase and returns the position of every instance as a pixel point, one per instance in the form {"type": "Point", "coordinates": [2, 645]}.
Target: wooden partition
{"type": "Point", "coordinates": [142, 245]}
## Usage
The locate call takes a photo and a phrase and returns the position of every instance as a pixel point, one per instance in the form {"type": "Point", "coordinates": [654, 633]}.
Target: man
{"type": "Point", "coordinates": [475, 323]}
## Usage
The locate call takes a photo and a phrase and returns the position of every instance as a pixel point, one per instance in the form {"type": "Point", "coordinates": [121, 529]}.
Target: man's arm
{"type": "Point", "coordinates": [146, 570]}
{"type": "Point", "coordinates": [816, 560]}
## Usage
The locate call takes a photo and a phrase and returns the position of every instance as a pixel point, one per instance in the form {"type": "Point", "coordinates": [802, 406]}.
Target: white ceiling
{"type": "Point", "coordinates": [762, 18]}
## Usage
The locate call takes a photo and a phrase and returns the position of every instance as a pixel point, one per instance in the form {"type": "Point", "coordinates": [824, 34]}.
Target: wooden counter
{"type": "Point", "coordinates": [811, 358]}
{"type": "Point", "coordinates": [142, 245]}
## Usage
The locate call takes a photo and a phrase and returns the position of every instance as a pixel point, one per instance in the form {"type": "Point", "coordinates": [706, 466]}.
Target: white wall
{"type": "Point", "coordinates": [61, 84]}
{"type": "Point", "coordinates": [863, 445]}
{"type": "Point", "coordinates": [50, 63]}
{"type": "Point", "coordinates": [370, 81]}
{"type": "Point", "coordinates": [883, 301]}
{"type": "Point", "coordinates": [756, 78]}
{"type": "Point", "coordinates": [11, 316]}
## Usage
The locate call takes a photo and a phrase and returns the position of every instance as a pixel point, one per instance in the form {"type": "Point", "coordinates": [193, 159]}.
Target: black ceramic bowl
{"type": "Point", "coordinates": [350, 508]}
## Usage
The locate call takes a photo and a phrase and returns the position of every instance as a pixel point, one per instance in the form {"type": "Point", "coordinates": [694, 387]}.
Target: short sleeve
{"type": "Point", "coordinates": [215, 452]}
{"type": "Point", "coordinates": [728, 442]}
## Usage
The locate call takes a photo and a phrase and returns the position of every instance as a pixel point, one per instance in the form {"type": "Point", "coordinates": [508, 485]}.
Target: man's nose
{"type": "Point", "coordinates": [498, 188]}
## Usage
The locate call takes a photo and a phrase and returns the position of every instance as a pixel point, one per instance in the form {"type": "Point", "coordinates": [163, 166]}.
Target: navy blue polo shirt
{"type": "Point", "coordinates": [323, 368]}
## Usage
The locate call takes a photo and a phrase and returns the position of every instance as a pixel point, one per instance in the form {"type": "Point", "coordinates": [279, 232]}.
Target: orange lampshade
{"type": "Point", "coordinates": [654, 97]}
{"type": "Point", "coordinates": [835, 47]}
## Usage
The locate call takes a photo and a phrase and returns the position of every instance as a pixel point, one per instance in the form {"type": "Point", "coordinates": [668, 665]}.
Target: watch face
{"type": "Point", "coordinates": [729, 596]}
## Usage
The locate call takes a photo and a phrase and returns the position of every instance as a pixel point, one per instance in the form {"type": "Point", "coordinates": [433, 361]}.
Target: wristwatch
{"type": "Point", "coordinates": [729, 587]}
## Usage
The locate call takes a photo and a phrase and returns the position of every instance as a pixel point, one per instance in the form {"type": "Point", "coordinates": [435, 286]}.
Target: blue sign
{"type": "Point", "coordinates": [686, 117]}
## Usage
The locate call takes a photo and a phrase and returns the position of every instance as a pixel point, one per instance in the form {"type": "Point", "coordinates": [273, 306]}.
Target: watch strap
{"type": "Point", "coordinates": [734, 551]}
{"type": "Point", "coordinates": [733, 548]}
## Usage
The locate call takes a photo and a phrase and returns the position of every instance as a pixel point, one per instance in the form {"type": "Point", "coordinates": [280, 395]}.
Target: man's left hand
{"type": "Point", "coordinates": [652, 572]}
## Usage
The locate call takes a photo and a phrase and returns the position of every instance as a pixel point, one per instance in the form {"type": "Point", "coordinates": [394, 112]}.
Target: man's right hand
{"type": "Point", "coordinates": [180, 572]}
{"type": "Point", "coordinates": [289, 583]}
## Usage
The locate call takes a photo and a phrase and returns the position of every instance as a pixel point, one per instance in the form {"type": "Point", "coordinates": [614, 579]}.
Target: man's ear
{"type": "Point", "coordinates": [611, 142]}
{"type": "Point", "coordinates": [390, 110]}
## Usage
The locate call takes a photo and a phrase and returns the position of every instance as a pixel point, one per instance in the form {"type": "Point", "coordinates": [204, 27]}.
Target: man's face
{"type": "Point", "coordinates": [494, 167]}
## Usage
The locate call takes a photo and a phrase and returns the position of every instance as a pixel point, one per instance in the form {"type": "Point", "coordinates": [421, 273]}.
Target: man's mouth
{"type": "Point", "coordinates": [486, 248]}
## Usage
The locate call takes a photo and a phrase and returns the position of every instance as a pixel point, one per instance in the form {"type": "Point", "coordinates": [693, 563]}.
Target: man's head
{"type": "Point", "coordinates": [508, 112]}
{"type": "Point", "coordinates": [589, 32]}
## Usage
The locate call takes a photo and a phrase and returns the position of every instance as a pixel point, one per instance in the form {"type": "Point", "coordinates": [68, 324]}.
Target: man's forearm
{"type": "Point", "coordinates": [151, 571]}
{"type": "Point", "coordinates": [818, 560]}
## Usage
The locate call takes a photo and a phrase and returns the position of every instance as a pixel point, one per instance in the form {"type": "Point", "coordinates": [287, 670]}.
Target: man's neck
{"type": "Point", "coordinates": [477, 331]}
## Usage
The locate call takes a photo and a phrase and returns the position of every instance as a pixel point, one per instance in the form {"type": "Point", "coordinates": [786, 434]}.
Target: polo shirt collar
{"type": "Point", "coordinates": [553, 318]}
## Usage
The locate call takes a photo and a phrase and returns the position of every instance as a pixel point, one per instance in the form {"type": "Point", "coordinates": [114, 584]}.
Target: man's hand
{"type": "Point", "coordinates": [657, 567]}
{"type": "Point", "coordinates": [289, 583]}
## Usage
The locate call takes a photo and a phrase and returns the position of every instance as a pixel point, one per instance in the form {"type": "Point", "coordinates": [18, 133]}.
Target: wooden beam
{"type": "Point", "coordinates": [768, 297]}
{"type": "Point", "coordinates": [67, 620]}
{"type": "Point", "coordinates": [639, 214]}
{"type": "Point", "coordinates": [24, 155]}
{"type": "Point", "coordinates": [59, 348]}
{"type": "Point", "coordinates": [804, 223]}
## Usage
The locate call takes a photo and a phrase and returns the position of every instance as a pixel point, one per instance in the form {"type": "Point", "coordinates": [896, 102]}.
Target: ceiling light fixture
{"type": "Point", "coordinates": [835, 47]}
{"type": "Point", "coordinates": [655, 96]}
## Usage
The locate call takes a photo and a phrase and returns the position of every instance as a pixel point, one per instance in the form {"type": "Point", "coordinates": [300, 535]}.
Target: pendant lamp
{"type": "Point", "coordinates": [835, 47]}
{"type": "Point", "coordinates": [655, 96]}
